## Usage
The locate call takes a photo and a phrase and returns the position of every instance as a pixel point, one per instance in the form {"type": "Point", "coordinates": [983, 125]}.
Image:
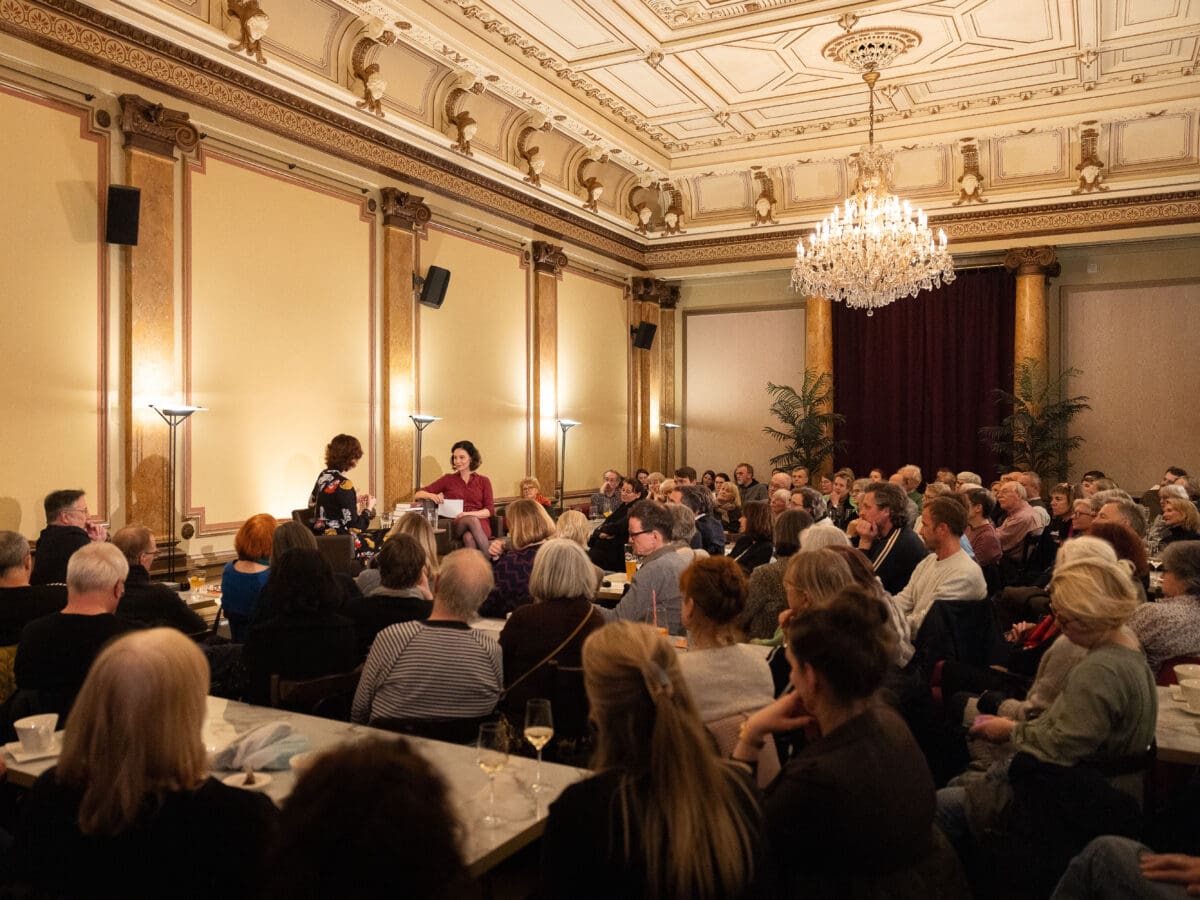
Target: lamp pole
{"type": "Point", "coordinates": [422, 422]}
{"type": "Point", "coordinates": [566, 425]}
{"type": "Point", "coordinates": [174, 416]}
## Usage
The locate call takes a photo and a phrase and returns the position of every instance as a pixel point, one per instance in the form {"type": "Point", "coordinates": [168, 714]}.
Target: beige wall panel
{"type": "Point", "coordinates": [51, 342]}
{"type": "Point", "coordinates": [1021, 158]}
{"type": "Point", "coordinates": [411, 78]}
{"type": "Point", "coordinates": [922, 171]}
{"type": "Point", "coordinates": [721, 193]}
{"type": "Point", "coordinates": [1167, 139]}
{"type": "Point", "coordinates": [280, 339]}
{"type": "Point", "coordinates": [593, 376]}
{"type": "Point", "coordinates": [811, 183]}
{"type": "Point", "coordinates": [730, 357]}
{"type": "Point", "coordinates": [472, 357]}
{"type": "Point", "coordinates": [1132, 343]}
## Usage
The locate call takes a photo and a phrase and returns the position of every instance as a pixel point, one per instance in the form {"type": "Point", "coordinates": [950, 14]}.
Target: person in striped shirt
{"type": "Point", "coordinates": [439, 668]}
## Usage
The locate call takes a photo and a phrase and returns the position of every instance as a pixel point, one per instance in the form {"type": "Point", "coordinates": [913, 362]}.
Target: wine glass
{"type": "Point", "coordinates": [539, 728]}
{"type": "Point", "coordinates": [196, 580]}
{"type": "Point", "coordinates": [492, 756]}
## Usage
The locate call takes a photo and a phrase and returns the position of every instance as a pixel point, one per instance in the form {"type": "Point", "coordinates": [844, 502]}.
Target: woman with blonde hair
{"type": "Point", "coordinates": [130, 798]}
{"type": "Point", "coordinates": [1181, 521]}
{"type": "Point", "coordinates": [417, 528]}
{"type": "Point", "coordinates": [728, 505]}
{"type": "Point", "coordinates": [529, 526]}
{"type": "Point", "coordinates": [531, 489]}
{"type": "Point", "coordinates": [663, 816]}
{"type": "Point", "coordinates": [573, 525]}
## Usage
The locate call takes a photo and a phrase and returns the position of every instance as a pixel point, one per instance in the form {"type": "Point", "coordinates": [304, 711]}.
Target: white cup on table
{"type": "Point", "coordinates": [1186, 671]}
{"type": "Point", "coordinates": [36, 733]}
{"type": "Point", "coordinates": [1191, 693]}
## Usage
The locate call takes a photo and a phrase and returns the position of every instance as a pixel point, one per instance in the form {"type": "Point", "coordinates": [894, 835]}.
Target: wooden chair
{"type": "Point", "coordinates": [338, 550]}
{"type": "Point", "coordinates": [329, 696]}
{"type": "Point", "coordinates": [303, 516]}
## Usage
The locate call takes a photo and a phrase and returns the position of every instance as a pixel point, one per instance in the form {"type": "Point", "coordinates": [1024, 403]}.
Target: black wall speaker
{"type": "Point", "coordinates": [643, 335]}
{"type": "Point", "coordinates": [121, 223]}
{"type": "Point", "coordinates": [433, 291]}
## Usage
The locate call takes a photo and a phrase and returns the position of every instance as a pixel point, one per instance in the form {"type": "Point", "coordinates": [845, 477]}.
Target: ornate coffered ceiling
{"type": "Point", "coordinates": [673, 120]}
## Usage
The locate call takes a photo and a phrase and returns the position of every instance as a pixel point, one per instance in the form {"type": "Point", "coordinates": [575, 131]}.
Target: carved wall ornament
{"type": "Point", "coordinates": [403, 210]}
{"type": "Point", "coordinates": [1090, 168]}
{"type": "Point", "coordinates": [153, 127]}
{"type": "Point", "coordinates": [652, 290]}
{"type": "Point", "coordinates": [547, 257]}
{"type": "Point", "coordinates": [592, 186]}
{"type": "Point", "coordinates": [594, 190]}
{"type": "Point", "coordinates": [254, 23]}
{"type": "Point", "coordinates": [1033, 261]}
{"type": "Point", "coordinates": [535, 162]}
{"type": "Point", "coordinates": [374, 87]}
{"type": "Point", "coordinates": [673, 215]}
{"type": "Point", "coordinates": [654, 58]}
{"type": "Point", "coordinates": [464, 124]}
{"type": "Point", "coordinates": [764, 206]}
{"type": "Point", "coordinates": [848, 21]}
{"type": "Point", "coordinates": [971, 180]}
{"type": "Point", "coordinates": [644, 214]}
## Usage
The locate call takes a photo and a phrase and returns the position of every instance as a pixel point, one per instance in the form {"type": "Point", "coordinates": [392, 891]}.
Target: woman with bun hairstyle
{"type": "Point", "coordinates": [473, 525]}
{"type": "Point", "coordinates": [851, 814]}
{"type": "Point", "coordinates": [724, 676]}
{"type": "Point", "coordinates": [663, 816]}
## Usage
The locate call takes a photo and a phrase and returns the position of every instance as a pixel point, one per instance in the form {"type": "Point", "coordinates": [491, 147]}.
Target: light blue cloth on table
{"type": "Point", "coordinates": [266, 747]}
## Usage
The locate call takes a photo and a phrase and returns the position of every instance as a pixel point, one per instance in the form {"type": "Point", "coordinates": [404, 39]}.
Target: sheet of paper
{"type": "Point", "coordinates": [450, 508]}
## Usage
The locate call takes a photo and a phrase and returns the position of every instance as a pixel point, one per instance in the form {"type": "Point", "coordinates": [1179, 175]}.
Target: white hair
{"type": "Point", "coordinates": [96, 567]}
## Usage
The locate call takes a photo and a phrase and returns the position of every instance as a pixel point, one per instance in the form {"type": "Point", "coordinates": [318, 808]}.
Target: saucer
{"type": "Point", "coordinates": [1176, 693]}
{"type": "Point", "coordinates": [23, 756]}
{"type": "Point", "coordinates": [238, 780]}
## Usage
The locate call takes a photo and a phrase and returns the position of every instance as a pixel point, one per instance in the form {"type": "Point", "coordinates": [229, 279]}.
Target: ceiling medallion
{"type": "Point", "coordinates": [872, 251]}
{"type": "Point", "coordinates": [871, 50]}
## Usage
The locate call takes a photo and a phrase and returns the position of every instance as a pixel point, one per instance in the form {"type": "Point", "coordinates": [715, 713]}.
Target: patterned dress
{"type": "Point", "coordinates": [334, 503]}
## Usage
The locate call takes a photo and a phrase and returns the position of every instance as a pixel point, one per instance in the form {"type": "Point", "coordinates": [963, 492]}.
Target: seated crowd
{"type": "Point", "coordinates": [856, 687]}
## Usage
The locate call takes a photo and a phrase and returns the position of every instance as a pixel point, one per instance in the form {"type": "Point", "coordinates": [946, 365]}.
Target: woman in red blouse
{"type": "Point", "coordinates": [472, 525]}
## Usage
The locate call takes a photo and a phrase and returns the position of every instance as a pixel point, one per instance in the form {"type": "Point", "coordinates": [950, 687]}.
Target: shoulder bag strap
{"type": "Point", "coordinates": [553, 653]}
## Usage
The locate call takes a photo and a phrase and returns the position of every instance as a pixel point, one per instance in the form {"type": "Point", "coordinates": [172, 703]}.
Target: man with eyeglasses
{"type": "Point", "coordinates": [146, 602]}
{"type": "Point", "coordinates": [653, 596]}
{"type": "Point", "coordinates": [67, 529]}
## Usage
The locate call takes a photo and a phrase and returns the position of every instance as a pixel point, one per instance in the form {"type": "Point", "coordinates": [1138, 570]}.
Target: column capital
{"type": "Point", "coordinates": [651, 290]}
{"type": "Point", "coordinates": [154, 128]}
{"type": "Point", "coordinates": [547, 257]}
{"type": "Point", "coordinates": [403, 210]}
{"type": "Point", "coordinates": [1033, 261]}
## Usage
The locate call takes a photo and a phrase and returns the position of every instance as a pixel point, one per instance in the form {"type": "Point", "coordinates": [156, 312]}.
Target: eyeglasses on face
{"type": "Point", "coordinates": [634, 534]}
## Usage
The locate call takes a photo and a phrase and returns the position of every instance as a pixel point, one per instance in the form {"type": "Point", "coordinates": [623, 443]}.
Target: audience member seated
{"type": "Point", "coordinates": [663, 816]}
{"type": "Point", "coordinates": [753, 547]}
{"type": "Point", "coordinates": [337, 508]}
{"type": "Point", "coordinates": [529, 526]}
{"type": "Point", "coordinates": [766, 598]}
{"type": "Point", "coordinates": [294, 536]}
{"type": "Point", "coordinates": [1083, 513]}
{"type": "Point", "coordinates": [243, 580]}
{"type": "Point", "coordinates": [303, 635]}
{"type": "Point", "coordinates": [683, 530]}
{"type": "Point", "coordinates": [980, 530]}
{"type": "Point", "coordinates": [149, 603]}
{"type": "Point", "coordinates": [653, 595]}
{"type": "Point", "coordinates": [129, 804]}
{"type": "Point", "coordinates": [852, 814]}
{"type": "Point", "coordinates": [724, 677]}
{"type": "Point", "coordinates": [531, 489]}
{"type": "Point", "coordinates": [780, 500]}
{"type": "Point", "coordinates": [841, 509]}
{"type": "Point", "coordinates": [402, 596]}
{"type": "Point", "coordinates": [883, 535]}
{"type": "Point", "coordinates": [1020, 520]}
{"type": "Point", "coordinates": [728, 506]}
{"type": "Point", "coordinates": [749, 489]}
{"type": "Point", "coordinates": [21, 602]}
{"type": "Point", "coordinates": [1106, 712]}
{"type": "Point", "coordinates": [416, 527]}
{"type": "Point", "coordinates": [473, 525]}
{"type": "Point", "coordinates": [608, 497]}
{"type": "Point", "coordinates": [1181, 521]}
{"type": "Point", "coordinates": [551, 630]}
{"type": "Point", "coordinates": [367, 814]}
{"type": "Point", "coordinates": [1171, 627]}
{"type": "Point", "coordinates": [864, 576]}
{"type": "Point", "coordinates": [67, 529]}
{"type": "Point", "coordinates": [606, 547]}
{"type": "Point", "coordinates": [712, 535]}
{"type": "Point", "coordinates": [1120, 510]}
{"type": "Point", "coordinates": [947, 573]}
{"type": "Point", "coordinates": [1119, 868]}
{"type": "Point", "coordinates": [440, 668]}
{"type": "Point", "coordinates": [55, 651]}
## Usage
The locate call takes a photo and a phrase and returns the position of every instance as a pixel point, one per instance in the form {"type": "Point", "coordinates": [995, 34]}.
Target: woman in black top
{"type": "Point", "coordinates": [1181, 519]}
{"type": "Point", "coordinates": [606, 548]}
{"type": "Point", "coordinates": [754, 547]}
{"type": "Point", "coordinates": [130, 801]}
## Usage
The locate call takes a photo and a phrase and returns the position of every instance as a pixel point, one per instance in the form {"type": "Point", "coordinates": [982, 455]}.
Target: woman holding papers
{"type": "Point", "coordinates": [463, 483]}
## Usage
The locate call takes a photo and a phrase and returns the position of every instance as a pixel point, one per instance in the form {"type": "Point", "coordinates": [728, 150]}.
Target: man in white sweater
{"type": "Point", "coordinates": [947, 573]}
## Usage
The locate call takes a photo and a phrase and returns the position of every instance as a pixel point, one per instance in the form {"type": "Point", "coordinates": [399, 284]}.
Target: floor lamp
{"type": "Point", "coordinates": [422, 422]}
{"type": "Point", "coordinates": [670, 427]}
{"type": "Point", "coordinates": [174, 416]}
{"type": "Point", "coordinates": [566, 425]}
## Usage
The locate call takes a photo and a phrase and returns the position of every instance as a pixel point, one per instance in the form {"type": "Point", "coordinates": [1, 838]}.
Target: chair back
{"type": "Point", "coordinates": [725, 732]}
{"type": "Point", "coordinates": [569, 700]}
{"type": "Point", "coordinates": [303, 516]}
{"type": "Point", "coordinates": [338, 550]}
{"type": "Point", "coordinates": [964, 630]}
{"type": "Point", "coordinates": [329, 696]}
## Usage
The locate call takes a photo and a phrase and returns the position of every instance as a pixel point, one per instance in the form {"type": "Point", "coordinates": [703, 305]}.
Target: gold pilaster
{"type": "Point", "coordinates": [1034, 266]}
{"type": "Point", "coordinates": [548, 263]}
{"type": "Point", "coordinates": [818, 346]}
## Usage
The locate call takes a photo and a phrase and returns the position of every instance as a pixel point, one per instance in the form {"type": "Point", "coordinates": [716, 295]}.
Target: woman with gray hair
{"type": "Point", "coordinates": [550, 631]}
{"type": "Point", "coordinates": [1171, 627]}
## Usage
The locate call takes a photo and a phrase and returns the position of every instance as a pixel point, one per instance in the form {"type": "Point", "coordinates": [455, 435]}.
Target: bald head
{"type": "Point", "coordinates": [464, 582]}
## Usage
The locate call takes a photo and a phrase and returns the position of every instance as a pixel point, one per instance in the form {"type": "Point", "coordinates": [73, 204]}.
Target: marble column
{"type": "Point", "coordinates": [1034, 266]}
{"type": "Point", "coordinates": [548, 262]}
{"type": "Point", "coordinates": [403, 218]}
{"type": "Point", "coordinates": [150, 371]}
{"type": "Point", "coordinates": [818, 347]}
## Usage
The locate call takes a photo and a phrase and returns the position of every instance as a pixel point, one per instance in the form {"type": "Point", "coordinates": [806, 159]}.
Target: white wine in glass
{"type": "Point", "coordinates": [539, 729]}
{"type": "Point", "coordinates": [492, 756]}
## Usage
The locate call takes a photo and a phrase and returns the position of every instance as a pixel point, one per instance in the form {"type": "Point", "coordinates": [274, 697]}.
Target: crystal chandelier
{"type": "Point", "coordinates": [873, 250]}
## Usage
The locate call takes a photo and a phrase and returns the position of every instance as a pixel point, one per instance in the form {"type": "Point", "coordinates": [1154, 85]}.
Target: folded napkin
{"type": "Point", "coordinates": [268, 746]}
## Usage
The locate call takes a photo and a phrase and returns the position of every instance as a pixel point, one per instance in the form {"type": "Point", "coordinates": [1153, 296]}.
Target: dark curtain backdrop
{"type": "Point", "coordinates": [915, 380]}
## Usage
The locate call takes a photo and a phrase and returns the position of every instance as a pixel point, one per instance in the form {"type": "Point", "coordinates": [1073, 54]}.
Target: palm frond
{"type": "Point", "coordinates": [807, 419]}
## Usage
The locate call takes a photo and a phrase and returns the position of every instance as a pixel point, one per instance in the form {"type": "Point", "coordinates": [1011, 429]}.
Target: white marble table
{"type": "Point", "coordinates": [1177, 732]}
{"type": "Point", "coordinates": [523, 810]}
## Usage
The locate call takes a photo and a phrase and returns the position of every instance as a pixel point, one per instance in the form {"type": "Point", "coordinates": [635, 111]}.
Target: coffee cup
{"type": "Point", "coordinates": [1184, 671]}
{"type": "Point", "coordinates": [36, 733]}
{"type": "Point", "coordinates": [1191, 693]}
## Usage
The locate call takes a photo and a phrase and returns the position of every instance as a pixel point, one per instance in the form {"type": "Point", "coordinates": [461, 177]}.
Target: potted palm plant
{"type": "Point", "coordinates": [1035, 435]}
{"type": "Point", "coordinates": [808, 421]}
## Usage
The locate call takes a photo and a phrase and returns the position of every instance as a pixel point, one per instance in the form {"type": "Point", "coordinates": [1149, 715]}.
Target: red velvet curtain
{"type": "Point", "coordinates": [915, 380]}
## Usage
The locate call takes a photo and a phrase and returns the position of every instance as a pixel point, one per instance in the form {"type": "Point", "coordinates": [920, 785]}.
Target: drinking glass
{"type": "Point", "coordinates": [539, 729]}
{"type": "Point", "coordinates": [196, 579]}
{"type": "Point", "coordinates": [492, 756]}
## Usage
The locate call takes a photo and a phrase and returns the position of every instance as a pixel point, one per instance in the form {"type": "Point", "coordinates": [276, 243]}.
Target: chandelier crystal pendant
{"type": "Point", "coordinates": [874, 249]}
